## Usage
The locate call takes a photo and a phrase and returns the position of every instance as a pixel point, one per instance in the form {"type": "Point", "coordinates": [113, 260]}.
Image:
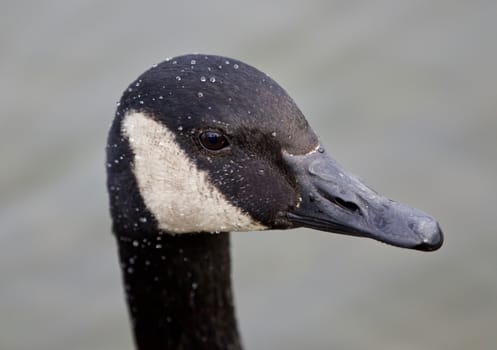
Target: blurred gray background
{"type": "Point", "coordinates": [403, 93]}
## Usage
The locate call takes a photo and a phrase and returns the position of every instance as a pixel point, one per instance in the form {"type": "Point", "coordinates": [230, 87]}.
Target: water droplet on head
{"type": "Point", "coordinates": [141, 102]}
{"type": "Point", "coordinates": [273, 134]}
{"type": "Point", "coordinates": [199, 94]}
{"type": "Point", "coordinates": [260, 171]}
{"type": "Point", "coordinates": [135, 244]}
{"type": "Point", "coordinates": [130, 89]}
{"type": "Point", "coordinates": [236, 66]}
{"type": "Point", "coordinates": [143, 219]}
{"type": "Point", "coordinates": [180, 128]}
{"type": "Point", "coordinates": [227, 62]}
{"type": "Point", "coordinates": [212, 79]}
{"type": "Point", "coordinates": [161, 97]}
{"type": "Point", "coordinates": [321, 150]}
{"type": "Point", "coordinates": [193, 62]}
{"type": "Point", "coordinates": [154, 65]}
{"type": "Point", "coordinates": [202, 79]}
{"type": "Point", "coordinates": [178, 78]}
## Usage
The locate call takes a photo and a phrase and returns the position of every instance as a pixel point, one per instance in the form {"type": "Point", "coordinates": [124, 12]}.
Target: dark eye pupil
{"type": "Point", "coordinates": [213, 140]}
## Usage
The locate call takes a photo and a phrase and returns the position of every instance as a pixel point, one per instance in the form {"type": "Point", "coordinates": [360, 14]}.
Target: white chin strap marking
{"type": "Point", "coordinates": [174, 190]}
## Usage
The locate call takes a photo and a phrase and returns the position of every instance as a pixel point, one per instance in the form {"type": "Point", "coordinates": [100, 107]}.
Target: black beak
{"type": "Point", "coordinates": [336, 201]}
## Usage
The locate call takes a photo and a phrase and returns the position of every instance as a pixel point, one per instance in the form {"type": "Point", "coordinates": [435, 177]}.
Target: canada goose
{"type": "Point", "coordinates": [204, 144]}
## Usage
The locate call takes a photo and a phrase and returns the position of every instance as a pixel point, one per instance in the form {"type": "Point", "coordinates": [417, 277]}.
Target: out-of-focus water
{"type": "Point", "coordinates": [403, 93]}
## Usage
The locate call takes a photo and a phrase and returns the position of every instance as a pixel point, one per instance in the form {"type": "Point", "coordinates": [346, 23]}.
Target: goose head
{"type": "Point", "coordinates": [205, 144]}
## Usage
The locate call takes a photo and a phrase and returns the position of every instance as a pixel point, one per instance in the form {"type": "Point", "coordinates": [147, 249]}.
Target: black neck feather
{"type": "Point", "coordinates": [179, 291]}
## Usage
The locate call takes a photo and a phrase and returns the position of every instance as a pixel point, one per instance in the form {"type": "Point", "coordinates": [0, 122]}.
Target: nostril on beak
{"type": "Point", "coordinates": [350, 206]}
{"type": "Point", "coordinates": [341, 203]}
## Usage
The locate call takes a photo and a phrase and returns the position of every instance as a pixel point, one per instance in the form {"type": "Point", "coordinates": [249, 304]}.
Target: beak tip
{"type": "Point", "coordinates": [432, 240]}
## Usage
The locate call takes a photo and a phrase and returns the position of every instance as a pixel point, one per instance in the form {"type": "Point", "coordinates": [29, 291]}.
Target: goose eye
{"type": "Point", "coordinates": [213, 140]}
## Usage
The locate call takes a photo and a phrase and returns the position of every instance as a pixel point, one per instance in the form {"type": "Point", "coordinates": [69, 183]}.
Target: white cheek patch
{"type": "Point", "coordinates": [178, 194]}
